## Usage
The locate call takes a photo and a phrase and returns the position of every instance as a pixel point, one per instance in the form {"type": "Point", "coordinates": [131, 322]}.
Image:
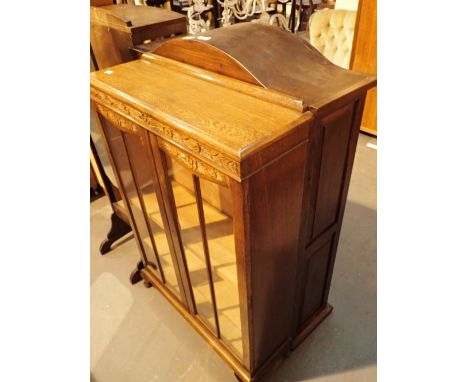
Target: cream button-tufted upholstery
{"type": "Point", "coordinates": [331, 31]}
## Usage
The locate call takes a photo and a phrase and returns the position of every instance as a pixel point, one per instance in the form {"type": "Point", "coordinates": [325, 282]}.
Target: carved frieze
{"type": "Point", "coordinates": [169, 132]}
{"type": "Point", "coordinates": [121, 122]}
{"type": "Point", "coordinates": [193, 163]}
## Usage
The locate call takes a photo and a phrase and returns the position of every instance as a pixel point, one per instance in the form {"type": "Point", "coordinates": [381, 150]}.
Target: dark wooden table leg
{"type": "Point", "coordinates": [118, 229]}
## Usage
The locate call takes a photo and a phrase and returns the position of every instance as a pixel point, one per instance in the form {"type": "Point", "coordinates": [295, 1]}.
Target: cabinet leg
{"type": "Point", "coordinates": [135, 276]}
{"type": "Point", "coordinates": [118, 229]}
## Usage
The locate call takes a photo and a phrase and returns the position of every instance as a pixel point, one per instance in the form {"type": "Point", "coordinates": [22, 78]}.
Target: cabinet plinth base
{"type": "Point", "coordinates": [118, 229]}
{"type": "Point", "coordinates": [240, 373]}
{"type": "Point", "coordinates": [314, 321]}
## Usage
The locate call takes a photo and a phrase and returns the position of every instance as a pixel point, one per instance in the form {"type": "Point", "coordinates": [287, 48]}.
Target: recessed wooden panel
{"type": "Point", "coordinates": [336, 131]}
{"type": "Point", "coordinates": [316, 271]}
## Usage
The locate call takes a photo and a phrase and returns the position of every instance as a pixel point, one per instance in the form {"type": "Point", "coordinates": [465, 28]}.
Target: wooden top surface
{"type": "Point", "coordinates": [235, 118]}
{"type": "Point", "coordinates": [270, 57]}
{"type": "Point", "coordinates": [132, 16]}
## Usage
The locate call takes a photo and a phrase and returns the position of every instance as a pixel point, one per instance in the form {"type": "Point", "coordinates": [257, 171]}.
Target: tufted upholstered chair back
{"type": "Point", "coordinates": [331, 31]}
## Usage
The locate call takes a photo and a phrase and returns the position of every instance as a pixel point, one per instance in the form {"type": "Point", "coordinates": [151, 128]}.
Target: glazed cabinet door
{"type": "Point", "coordinates": [202, 209]}
{"type": "Point", "coordinates": [183, 221]}
{"type": "Point", "coordinates": [142, 195]}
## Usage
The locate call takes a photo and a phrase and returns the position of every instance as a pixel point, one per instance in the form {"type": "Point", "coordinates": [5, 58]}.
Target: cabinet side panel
{"type": "Point", "coordinates": [336, 132]}
{"type": "Point", "coordinates": [324, 201]}
{"type": "Point", "coordinates": [275, 195]}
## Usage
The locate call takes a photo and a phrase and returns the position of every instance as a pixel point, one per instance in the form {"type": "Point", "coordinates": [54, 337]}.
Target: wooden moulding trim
{"type": "Point", "coordinates": [209, 337]}
{"type": "Point", "coordinates": [313, 322]}
{"type": "Point", "coordinates": [269, 95]}
{"type": "Point", "coordinates": [299, 126]}
{"type": "Point", "coordinates": [326, 105]}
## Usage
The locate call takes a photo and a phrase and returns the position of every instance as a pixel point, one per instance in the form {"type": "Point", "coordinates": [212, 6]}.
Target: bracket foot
{"type": "Point", "coordinates": [118, 229]}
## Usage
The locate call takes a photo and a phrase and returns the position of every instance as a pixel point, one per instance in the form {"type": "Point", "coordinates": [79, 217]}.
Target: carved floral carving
{"type": "Point", "coordinates": [119, 121]}
{"type": "Point", "coordinates": [193, 164]}
{"type": "Point", "coordinates": [165, 131]}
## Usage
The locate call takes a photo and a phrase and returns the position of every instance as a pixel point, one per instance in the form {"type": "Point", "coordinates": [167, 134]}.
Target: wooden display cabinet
{"type": "Point", "coordinates": [235, 167]}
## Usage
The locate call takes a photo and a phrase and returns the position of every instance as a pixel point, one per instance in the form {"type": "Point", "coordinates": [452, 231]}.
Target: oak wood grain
{"type": "Point", "coordinates": [156, 91]}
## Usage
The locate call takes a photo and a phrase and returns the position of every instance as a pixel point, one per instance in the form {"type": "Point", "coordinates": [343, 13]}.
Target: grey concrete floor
{"type": "Point", "coordinates": [137, 336]}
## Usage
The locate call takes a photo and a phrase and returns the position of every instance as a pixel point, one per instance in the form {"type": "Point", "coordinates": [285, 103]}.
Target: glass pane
{"type": "Point", "coordinates": [144, 180]}
{"type": "Point", "coordinates": [216, 207]}
{"type": "Point", "coordinates": [187, 213]}
{"type": "Point", "coordinates": [101, 150]}
{"type": "Point", "coordinates": [123, 167]}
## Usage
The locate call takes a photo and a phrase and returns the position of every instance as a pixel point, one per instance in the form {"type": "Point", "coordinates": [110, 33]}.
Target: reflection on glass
{"type": "Point", "coordinates": [142, 199]}
{"type": "Point", "coordinates": [220, 233]}
{"type": "Point", "coordinates": [214, 213]}
{"type": "Point", "coordinates": [122, 164]}
{"type": "Point", "coordinates": [144, 181]}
